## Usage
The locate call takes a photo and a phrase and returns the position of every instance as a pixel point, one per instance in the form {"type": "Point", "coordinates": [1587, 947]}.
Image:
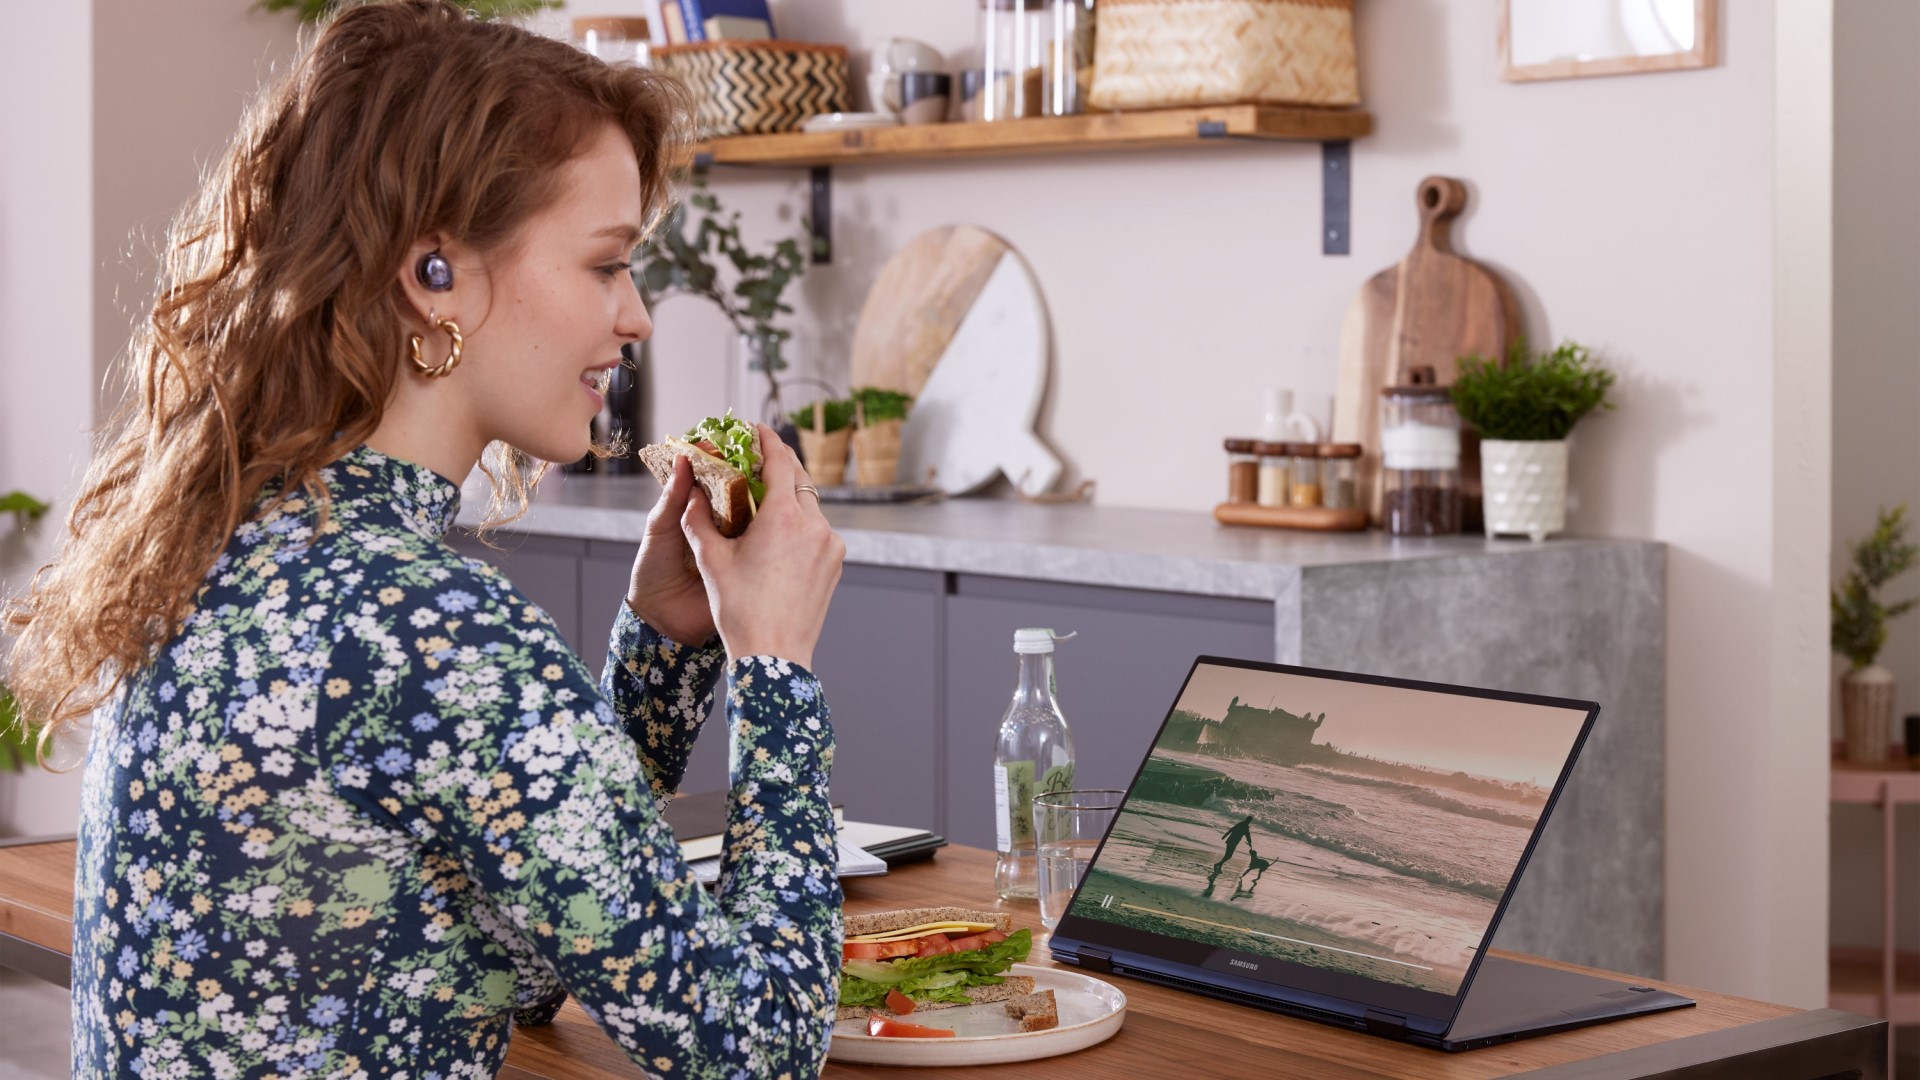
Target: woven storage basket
{"type": "Point", "coordinates": [1166, 53]}
{"type": "Point", "coordinates": [757, 87]}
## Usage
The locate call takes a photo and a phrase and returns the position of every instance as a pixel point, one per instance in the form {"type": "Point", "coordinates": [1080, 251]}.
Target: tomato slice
{"type": "Point", "coordinates": [878, 950]}
{"type": "Point", "coordinates": [895, 1029]}
{"type": "Point", "coordinates": [933, 945]}
{"type": "Point", "coordinates": [977, 941]}
{"type": "Point", "coordinates": [899, 1002]}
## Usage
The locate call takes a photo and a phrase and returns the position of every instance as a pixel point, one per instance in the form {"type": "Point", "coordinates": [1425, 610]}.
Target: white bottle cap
{"type": "Point", "coordinates": [1033, 640]}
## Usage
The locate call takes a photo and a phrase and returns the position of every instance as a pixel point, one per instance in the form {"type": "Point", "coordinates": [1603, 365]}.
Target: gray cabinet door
{"type": "Point", "coordinates": [1115, 681]}
{"type": "Point", "coordinates": [546, 570]}
{"type": "Point", "coordinates": [879, 660]}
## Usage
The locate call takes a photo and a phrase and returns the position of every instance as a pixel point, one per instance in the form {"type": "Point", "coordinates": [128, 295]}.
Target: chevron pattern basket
{"type": "Point", "coordinates": [757, 87]}
{"type": "Point", "coordinates": [1152, 54]}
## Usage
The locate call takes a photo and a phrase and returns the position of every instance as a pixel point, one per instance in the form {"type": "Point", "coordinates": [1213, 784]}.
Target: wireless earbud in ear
{"type": "Point", "coordinates": [435, 272]}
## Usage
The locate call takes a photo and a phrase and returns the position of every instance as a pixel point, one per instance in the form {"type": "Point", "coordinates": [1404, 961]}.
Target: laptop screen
{"type": "Point", "coordinates": [1345, 825]}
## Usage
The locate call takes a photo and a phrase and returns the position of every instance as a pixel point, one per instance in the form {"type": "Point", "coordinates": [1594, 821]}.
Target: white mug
{"type": "Point", "coordinates": [890, 59]}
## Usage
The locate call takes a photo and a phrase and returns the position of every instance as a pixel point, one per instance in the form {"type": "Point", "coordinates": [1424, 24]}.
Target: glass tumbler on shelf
{"type": "Point", "coordinates": [1069, 68]}
{"type": "Point", "coordinates": [615, 40]}
{"type": "Point", "coordinates": [1419, 458]}
{"type": "Point", "coordinates": [1067, 828]}
{"type": "Point", "coordinates": [1014, 38]}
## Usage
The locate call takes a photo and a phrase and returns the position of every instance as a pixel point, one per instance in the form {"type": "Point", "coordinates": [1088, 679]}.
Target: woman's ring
{"type": "Point", "coordinates": [809, 488]}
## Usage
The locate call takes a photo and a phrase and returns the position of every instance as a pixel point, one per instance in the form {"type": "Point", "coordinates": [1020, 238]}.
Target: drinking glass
{"type": "Point", "coordinates": [1067, 829]}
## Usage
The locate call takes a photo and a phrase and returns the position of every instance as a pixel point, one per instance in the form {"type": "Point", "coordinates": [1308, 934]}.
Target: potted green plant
{"type": "Point", "coordinates": [878, 416]}
{"type": "Point", "coordinates": [16, 739]}
{"type": "Point", "coordinates": [1523, 411]}
{"type": "Point", "coordinates": [1860, 631]}
{"type": "Point", "coordinates": [826, 428]}
{"type": "Point", "coordinates": [687, 255]}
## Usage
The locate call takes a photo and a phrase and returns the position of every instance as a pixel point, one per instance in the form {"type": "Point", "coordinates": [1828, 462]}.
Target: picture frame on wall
{"type": "Point", "coordinates": [1570, 39]}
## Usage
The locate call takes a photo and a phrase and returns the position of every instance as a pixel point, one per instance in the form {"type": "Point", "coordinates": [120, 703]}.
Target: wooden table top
{"type": "Point", "coordinates": [1223, 1041]}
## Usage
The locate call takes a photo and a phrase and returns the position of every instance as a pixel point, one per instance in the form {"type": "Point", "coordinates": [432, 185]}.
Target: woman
{"type": "Point", "coordinates": [354, 801]}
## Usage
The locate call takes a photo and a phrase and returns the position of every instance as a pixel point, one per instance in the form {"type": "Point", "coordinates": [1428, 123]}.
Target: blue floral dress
{"type": "Point", "coordinates": [367, 804]}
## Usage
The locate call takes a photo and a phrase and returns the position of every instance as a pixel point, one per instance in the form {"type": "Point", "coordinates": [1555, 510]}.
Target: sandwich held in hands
{"type": "Point", "coordinates": [726, 456]}
{"type": "Point", "coordinates": [930, 958]}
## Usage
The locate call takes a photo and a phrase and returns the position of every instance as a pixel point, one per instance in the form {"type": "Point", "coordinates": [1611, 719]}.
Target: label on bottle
{"type": "Point", "coordinates": [1012, 790]}
{"type": "Point", "coordinates": [1058, 778]}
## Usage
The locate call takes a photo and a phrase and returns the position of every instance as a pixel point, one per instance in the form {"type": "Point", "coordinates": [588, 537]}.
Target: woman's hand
{"type": "Point", "coordinates": [665, 592]}
{"type": "Point", "coordinates": [770, 586]}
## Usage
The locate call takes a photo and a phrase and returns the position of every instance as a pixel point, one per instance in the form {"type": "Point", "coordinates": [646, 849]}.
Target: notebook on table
{"type": "Point", "coordinates": [1341, 848]}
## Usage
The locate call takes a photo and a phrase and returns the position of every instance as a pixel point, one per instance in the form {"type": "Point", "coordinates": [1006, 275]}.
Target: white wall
{"type": "Point", "coordinates": [1876, 388]}
{"type": "Point", "coordinates": [46, 176]}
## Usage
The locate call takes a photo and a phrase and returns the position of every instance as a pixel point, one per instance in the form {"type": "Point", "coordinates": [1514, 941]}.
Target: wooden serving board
{"type": "Point", "coordinates": [918, 303]}
{"type": "Point", "coordinates": [1313, 518]}
{"type": "Point", "coordinates": [1429, 310]}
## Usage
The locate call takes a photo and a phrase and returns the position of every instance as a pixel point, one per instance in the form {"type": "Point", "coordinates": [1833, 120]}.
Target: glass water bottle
{"type": "Point", "coordinates": [1035, 754]}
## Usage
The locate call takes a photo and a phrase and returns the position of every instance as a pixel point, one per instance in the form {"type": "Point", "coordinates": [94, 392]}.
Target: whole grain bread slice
{"type": "Point", "coordinates": [1036, 1011]}
{"type": "Point", "coordinates": [1010, 987]}
{"type": "Point", "coordinates": [899, 919]}
{"type": "Point", "coordinates": [726, 486]}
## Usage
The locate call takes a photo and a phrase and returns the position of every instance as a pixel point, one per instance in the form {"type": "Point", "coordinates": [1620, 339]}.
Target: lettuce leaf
{"type": "Point", "coordinates": [932, 978]}
{"type": "Point", "coordinates": [734, 437]}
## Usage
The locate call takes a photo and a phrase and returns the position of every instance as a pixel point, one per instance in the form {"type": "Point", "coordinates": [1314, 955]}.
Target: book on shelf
{"type": "Point", "coordinates": [693, 14]}
{"type": "Point", "coordinates": [735, 28]}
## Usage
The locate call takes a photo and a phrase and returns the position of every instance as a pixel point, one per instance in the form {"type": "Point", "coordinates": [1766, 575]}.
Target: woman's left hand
{"type": "Point", "coordinates": [666, 592]}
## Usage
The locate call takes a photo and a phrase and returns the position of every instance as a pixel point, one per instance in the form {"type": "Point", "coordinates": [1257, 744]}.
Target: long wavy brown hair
{"type": "Point", "coordinates": [279, 329]}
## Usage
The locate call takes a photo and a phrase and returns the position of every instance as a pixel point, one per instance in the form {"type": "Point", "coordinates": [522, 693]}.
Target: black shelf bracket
{"type": "Point", "coordinates": [1336, 197]}
{"type": "Point", "coordinates": [820, 221]}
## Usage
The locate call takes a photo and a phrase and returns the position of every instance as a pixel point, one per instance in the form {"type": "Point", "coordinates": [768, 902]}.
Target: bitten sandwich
{"type": "Point", "coordinates": [897, 962]}
{"type": "Point", "coordinates": [726, 457]}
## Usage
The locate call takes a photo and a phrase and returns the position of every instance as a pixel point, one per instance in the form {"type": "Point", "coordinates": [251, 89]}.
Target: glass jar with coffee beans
{"type": "Point", "coordinates": [1420, 457]}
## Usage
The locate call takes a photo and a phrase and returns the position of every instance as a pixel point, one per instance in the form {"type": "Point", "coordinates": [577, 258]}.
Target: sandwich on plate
{"type": "Point", "coordinates": [898, 962]}
{"type": "Point", "coordinates": [725, 452]}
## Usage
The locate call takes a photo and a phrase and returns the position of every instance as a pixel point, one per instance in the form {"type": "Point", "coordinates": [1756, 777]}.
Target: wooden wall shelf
{"type": "Point", "coordinates": [1333, 129]}
{"type": "Point", "coordinates": [1158, 128]}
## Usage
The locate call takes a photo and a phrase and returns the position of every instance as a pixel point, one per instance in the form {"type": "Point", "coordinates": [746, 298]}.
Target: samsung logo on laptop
{"type": "Point", "coordinates": [1249, 965]}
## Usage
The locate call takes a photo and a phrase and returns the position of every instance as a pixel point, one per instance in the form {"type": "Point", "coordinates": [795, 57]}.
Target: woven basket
{"type": "Point", "coordinates": [758, 87]}
{"type": "Point", "coordinates": [1152, 54]}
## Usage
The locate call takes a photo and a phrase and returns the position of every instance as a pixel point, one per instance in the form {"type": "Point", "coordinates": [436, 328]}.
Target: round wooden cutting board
{"type": "Point", "coordinates": [918, 303]}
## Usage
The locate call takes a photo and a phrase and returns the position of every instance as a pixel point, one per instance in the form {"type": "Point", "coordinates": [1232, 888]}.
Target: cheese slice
{"type": "Point", "coordinates": [922, 930]}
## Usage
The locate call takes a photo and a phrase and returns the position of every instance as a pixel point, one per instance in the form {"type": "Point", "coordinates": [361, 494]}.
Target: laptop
{"type": "Point", "coordinates": [1340, 848]}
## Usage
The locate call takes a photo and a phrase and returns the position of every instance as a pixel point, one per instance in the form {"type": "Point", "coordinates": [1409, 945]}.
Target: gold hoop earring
{"type": "Point", "coordinates": [455, 341]}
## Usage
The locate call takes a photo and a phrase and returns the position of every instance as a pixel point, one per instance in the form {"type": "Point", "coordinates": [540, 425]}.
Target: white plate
{"type": "Point", "coordinates": [1090, 1012]}
{"type": "Point", "coordinates": [843, 121]}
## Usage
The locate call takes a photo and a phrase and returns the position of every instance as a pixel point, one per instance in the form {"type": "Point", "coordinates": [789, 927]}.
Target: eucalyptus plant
{"type": "Point", "coordinates": [1859, 618]}
{"type": "Point", "coordinates": [16, 741]}
{"type": "Point", "coordinates": [315, 10]}
{"type": "Point", "coordinates": [698, 251]}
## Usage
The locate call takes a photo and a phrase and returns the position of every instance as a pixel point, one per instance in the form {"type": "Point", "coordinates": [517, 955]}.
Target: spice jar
{"type": "Point", "coordinates": [1276, 473]}
{"type": "Point", "coordinates": [1339, 475]}
{"type": "Point", "coordinates": [1243, 471]}
{"type": "Point", "coordinates": [1420, 457]}
{"type": "Point", "coordinates": [1306, 475]}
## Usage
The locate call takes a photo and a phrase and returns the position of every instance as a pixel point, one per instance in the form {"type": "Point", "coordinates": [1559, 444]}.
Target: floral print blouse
{"type": "Point", "coordinates": [368, 803]}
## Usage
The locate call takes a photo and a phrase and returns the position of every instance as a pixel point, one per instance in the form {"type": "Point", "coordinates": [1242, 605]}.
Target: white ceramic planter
{"type": "Point", "coordinates": [1525, 485]}
{"type": "Point", "coordinates": [1866, 712]}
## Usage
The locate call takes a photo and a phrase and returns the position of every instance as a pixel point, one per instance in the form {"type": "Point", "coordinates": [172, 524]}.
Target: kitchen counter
{"type": "Point", "coordinates": [916, 656]}
{"type": "Point", "coordinates": [1168, 550]}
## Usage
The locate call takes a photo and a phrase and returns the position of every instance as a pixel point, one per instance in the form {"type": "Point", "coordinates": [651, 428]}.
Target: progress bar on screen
{"type": "Point", "coordinates": [1276, 937]}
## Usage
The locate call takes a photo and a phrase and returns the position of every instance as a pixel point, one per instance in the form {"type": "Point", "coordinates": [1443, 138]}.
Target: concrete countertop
{"type": "Point", "coordinates": [1169, 550]}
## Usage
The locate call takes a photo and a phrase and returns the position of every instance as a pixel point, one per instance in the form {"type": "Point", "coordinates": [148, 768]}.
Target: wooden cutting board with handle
{"type": "Point", "coordinates": [1429, 310]}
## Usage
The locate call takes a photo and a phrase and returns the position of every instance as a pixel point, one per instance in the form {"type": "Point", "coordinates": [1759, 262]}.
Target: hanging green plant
{"type": "Point", "coordinates": [16, 739]}
{"type": "Point", "coordinates": [315, 10]}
